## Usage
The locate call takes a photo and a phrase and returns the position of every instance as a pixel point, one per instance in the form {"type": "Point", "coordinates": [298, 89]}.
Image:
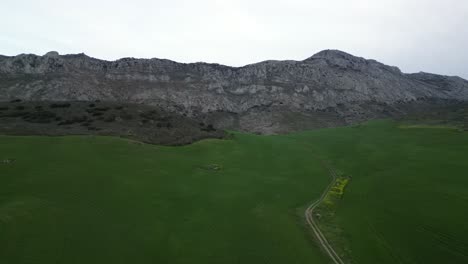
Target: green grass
{"type": "Point", "coordinates": [408, 198]}
{"type": "Point", "coordinates": [108, 200]}
{"type": "Point", "coordinates": [412, 126]}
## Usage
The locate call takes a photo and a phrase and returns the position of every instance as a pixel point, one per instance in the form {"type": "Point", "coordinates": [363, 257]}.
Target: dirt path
{"type": "Point", "coordinates": [309, 215]}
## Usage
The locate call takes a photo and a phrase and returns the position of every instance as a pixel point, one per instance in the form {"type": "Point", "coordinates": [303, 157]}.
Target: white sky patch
{"type": "Point", "coordinates": [415, 35]}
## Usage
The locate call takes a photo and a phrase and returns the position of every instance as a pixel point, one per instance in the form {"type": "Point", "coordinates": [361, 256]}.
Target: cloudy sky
{"type": "Point", "coordinates": [415, 35]}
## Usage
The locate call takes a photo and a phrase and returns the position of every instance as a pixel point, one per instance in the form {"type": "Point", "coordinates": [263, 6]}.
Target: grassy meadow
{"type": "Point", "coordinates": [108, 200]}
{"type": "Point", "coordinates": [89, 199]}
{"type": "Point", "coordinates": [407, 198]}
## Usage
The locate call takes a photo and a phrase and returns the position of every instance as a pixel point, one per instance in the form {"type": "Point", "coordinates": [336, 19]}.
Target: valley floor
{"type": "Point", "coordinates": [90, 199]}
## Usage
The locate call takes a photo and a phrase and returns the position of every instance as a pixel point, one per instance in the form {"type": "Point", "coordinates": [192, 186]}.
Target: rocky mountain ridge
{"type": "Point", "coordinates": [262, 97]}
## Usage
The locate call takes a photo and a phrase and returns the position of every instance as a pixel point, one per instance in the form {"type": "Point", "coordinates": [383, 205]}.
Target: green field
{"type": "Point", "coordinates": [109, 200]}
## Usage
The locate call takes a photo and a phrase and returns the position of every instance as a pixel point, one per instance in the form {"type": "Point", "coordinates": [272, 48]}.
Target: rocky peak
{"type": "Point", "coordinates": [336, 55]}
{"type": "Point", "coordinates": [338, 59]}
{"type": "Point", "coordinates": [52, 54]}
{"type": "Point", "coordinates": [345, 61]}
{"type": "Point", "coordinates": [31, 64]}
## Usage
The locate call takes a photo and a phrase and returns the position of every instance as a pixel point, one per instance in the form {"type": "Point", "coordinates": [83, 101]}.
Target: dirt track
{"type": "Point", "coordinates": [309, 215]}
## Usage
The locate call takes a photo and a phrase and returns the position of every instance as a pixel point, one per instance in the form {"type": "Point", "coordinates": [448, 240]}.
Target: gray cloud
{"type": "Point", "coordinates": [415, 35]}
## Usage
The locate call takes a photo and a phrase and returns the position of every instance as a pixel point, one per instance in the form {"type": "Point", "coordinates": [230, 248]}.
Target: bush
{"type": "Point", "coordinates": [73, 120]}
{"type": "Point", "coordinates": [40, 117]}
{"type": "Point", "coordinates": [151, 115]}
{"type": "Point", "coordinates": [126, 116]}
{"type": "Point", "coordinates": [166, 125]}
{"type": "Point", "coordinates": [163, 119]}
{"type": "Point", "coordinates": [110, 118]}
{"type": "Point", "coordinates": [60, 105]}
{"type": "Point", "coordinates": [93, 128]}
{"type": "Point", "coordinates": [15, 114]}
{"type": "Point", "coordinates": [209, 128]}
{"type": "Point", "coordinates": [103, 109]}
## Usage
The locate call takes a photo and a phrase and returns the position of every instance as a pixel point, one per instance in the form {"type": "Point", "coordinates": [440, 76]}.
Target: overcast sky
{"type": "Point", "coordinates": [415, 35]}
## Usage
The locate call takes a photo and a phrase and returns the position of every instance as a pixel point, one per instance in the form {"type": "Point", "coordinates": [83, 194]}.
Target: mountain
{"type": "Point", "coordinates": [328, 89]}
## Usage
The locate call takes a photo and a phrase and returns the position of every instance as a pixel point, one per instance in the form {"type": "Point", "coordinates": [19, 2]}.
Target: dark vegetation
{"type": "Point", "coordinates": [455, 115]}
{"type": "Point", "coordinates": [60, 105]}
{"type": "Point", "coordinates": [74, 120]}
{"type": "Point", "coordinates": [145, 123]}
{"type": "Point", "coordinates": [40, 116]}
{"type": "Point", "coordinates": [208, 128]}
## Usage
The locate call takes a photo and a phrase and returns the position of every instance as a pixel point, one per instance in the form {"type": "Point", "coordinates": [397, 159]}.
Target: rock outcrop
{"type": "Point", "coordinates": [329, 88]}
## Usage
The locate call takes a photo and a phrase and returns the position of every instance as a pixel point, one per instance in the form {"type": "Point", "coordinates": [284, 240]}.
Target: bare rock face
{"type": "Point", "coordinates": [331, 85]}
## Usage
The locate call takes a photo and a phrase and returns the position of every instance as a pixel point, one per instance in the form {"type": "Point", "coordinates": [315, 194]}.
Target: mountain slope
{"type": "Point", "coordinates": [329, 88]}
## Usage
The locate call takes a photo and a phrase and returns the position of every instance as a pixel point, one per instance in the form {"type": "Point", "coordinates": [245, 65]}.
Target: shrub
{"type": "Point", "coordinates": [151, 115]}
{"type": "Point", "coordinates": [126, 116]}
{"type": "Point", "coordinates": [166, 125]}
{"type": "Point", "coordinates": [209, 128]}
{"type": "Point", "coordinates": [15, 114]}
{"type": "Point", "coordinates": [40, 117]}
{"type": "Point", "coordinates": [93, 128]}
{"type": "Point", "coordinates": [60, 105]}
{"type": "Point", "coordinates": [110, 118]}
{"type": "Point", "coordinates": [103, 109]}
{"type": "Point", "coordinates": [73, 120]}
